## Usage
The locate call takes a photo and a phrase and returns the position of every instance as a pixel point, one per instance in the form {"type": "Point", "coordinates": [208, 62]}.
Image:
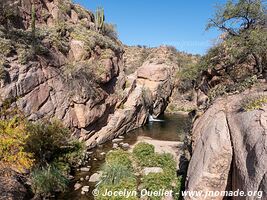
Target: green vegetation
{"type": "Point", "coordinates": [46, 140]}
{"type": "Point", "coordinates": [119, 157]}
{"type": "Point", "coordinates": [92, 39]}
{"type": "Point", "coordinates": [118, 174]}
{"type": "Point", "coordinates": [115, 173]}
{"type": "Point", "coordinates": [8, 12]}
{"type": "Point", "coordinates": [253, 103]}
{"type": "Point", "coordinates": [13, 137]}
{"type": "Point", "coordinates": [110, 31]}
{"type": "Point", "coordinates": [240, 56]}
{"type": "Point", "coordinates": [44, 148]}
{"type": "Point", "coordinates": [146, 157]}
{"type": "Point", "coordinates": [123, 170]}
{"type": "Point", "coordinates": [5, 46]}
{"type": "Point", "coordinates": [45, 181]}
{"type": "Point", "coordinates": [144, 153]}
{"type": "Point", "coordinates": [243, 23]}
{"type": "Point", "coordinates": [57, 35]}
{"type": "Point", "coordinates": [55, 153]}
{"type": "Point", "coordinates": [223, 89]}
{"type": "Point", "coordinates": [245, 13]}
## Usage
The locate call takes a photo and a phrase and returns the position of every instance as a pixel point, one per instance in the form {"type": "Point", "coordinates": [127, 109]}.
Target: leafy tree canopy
{"type": "Point", "coordinates": [236, 16]}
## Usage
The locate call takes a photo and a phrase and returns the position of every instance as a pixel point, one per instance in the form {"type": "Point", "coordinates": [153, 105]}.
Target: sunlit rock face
{"type": "Point", "coordinates": [147, 93]}
{"type": "Point", "coordinates": [74, 73]}
{"type": "Point", "coordinates": [229, 149]}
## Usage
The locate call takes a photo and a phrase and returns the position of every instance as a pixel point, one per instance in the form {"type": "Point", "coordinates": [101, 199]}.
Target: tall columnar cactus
{"type": "Point", "coordinates": [100, 19]}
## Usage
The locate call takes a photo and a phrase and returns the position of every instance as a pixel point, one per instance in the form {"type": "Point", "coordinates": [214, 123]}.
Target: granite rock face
{"type": "Point", "coordinates": [141, 98]}
{"type": "Point", "coordinates": [229, 149]}
{"type": "Point", "coordinates": [75, 74]}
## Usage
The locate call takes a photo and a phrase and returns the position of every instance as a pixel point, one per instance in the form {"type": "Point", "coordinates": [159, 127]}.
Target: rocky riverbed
{"type": "Point", "coordinates": [163, 135]}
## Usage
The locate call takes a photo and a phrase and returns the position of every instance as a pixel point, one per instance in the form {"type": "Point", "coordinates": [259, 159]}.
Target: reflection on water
{"type": "Point", "coordinates": [170, 129]}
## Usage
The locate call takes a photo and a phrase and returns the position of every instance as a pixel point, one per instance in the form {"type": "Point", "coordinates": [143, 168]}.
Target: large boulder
{"type": "Point", "coordinates": [249, 138]}
{"type": "Point", "coordinates": [156, 78]}
{"type": "Point", "coordinates": [229, 149]}
{"type": "Point", "coordinates": [11, 189]}
{"type": "Point", "coordinates": [212, 156]}
{"type": "Point", "coordinates": [153, 71]}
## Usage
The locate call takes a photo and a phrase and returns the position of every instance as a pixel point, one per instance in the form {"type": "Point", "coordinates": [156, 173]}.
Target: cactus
{"type": "Point", "coordinates": [100, 18]}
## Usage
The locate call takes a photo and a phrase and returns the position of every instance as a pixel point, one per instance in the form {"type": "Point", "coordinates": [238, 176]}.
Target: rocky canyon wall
{"type": "Point", "coordinates": [69, 71]}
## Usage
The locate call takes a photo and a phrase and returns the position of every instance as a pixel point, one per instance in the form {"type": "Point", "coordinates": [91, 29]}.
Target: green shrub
{"type": "Point", "coordinates": [70, 156]}
{"type": "Point", "coordinates": [73, 153]}
{"type": "Point", "coordinates": [253, 103]}
{"type": "Point", "coordinates": [5, 46]}
{"type": "Point", "coordinates": [119, 157]}
{"type": "Point", "coordinates": [25, 54]}
{"type": "Point", "coordinates": [166, 162]}
{"type": "Point", "coordinates": [222, 89]}
{"type": "Point", "coordinates": [217, 91]}
{"type": "Point", "coordinates": [144, 153]}
{"type": "Point", "coordinates": [93, 38]}
{"type": "Point", "coordinates": [243, 85]}
{"type": "Point", "coordinates": [46, 140]}
{"type": "Point", "coordinates": [110, 31]}
{"type": "Point", "coordinates": [47, 180]}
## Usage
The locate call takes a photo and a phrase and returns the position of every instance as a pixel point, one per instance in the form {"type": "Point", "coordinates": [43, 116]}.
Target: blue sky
{"type": "Point", "coordinates": [158, 22]}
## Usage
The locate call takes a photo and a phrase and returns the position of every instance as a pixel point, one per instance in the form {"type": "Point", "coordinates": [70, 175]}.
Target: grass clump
{"type": "Point", "coordinates": [253, 103]}
{"type": "Point", "coordinates": [119, 157]}
{"type": "Point", "coordinates": [144, 152]}
{"type": "Point", "coordinates": [118, 175]}
{"type": "Point", "coordinates": [113, 174]}
{"type": "Point", "coordinates": [45, 181]}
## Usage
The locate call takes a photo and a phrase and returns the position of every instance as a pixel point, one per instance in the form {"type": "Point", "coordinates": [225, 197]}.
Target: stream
{"type": "Point", "coordinates": [170, 129]}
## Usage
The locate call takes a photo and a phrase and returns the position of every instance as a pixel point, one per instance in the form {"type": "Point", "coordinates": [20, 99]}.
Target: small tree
{"type": "Point", "coordinates": [234, 17]}
{"type": "Point", "coordinates": [243, 21]}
